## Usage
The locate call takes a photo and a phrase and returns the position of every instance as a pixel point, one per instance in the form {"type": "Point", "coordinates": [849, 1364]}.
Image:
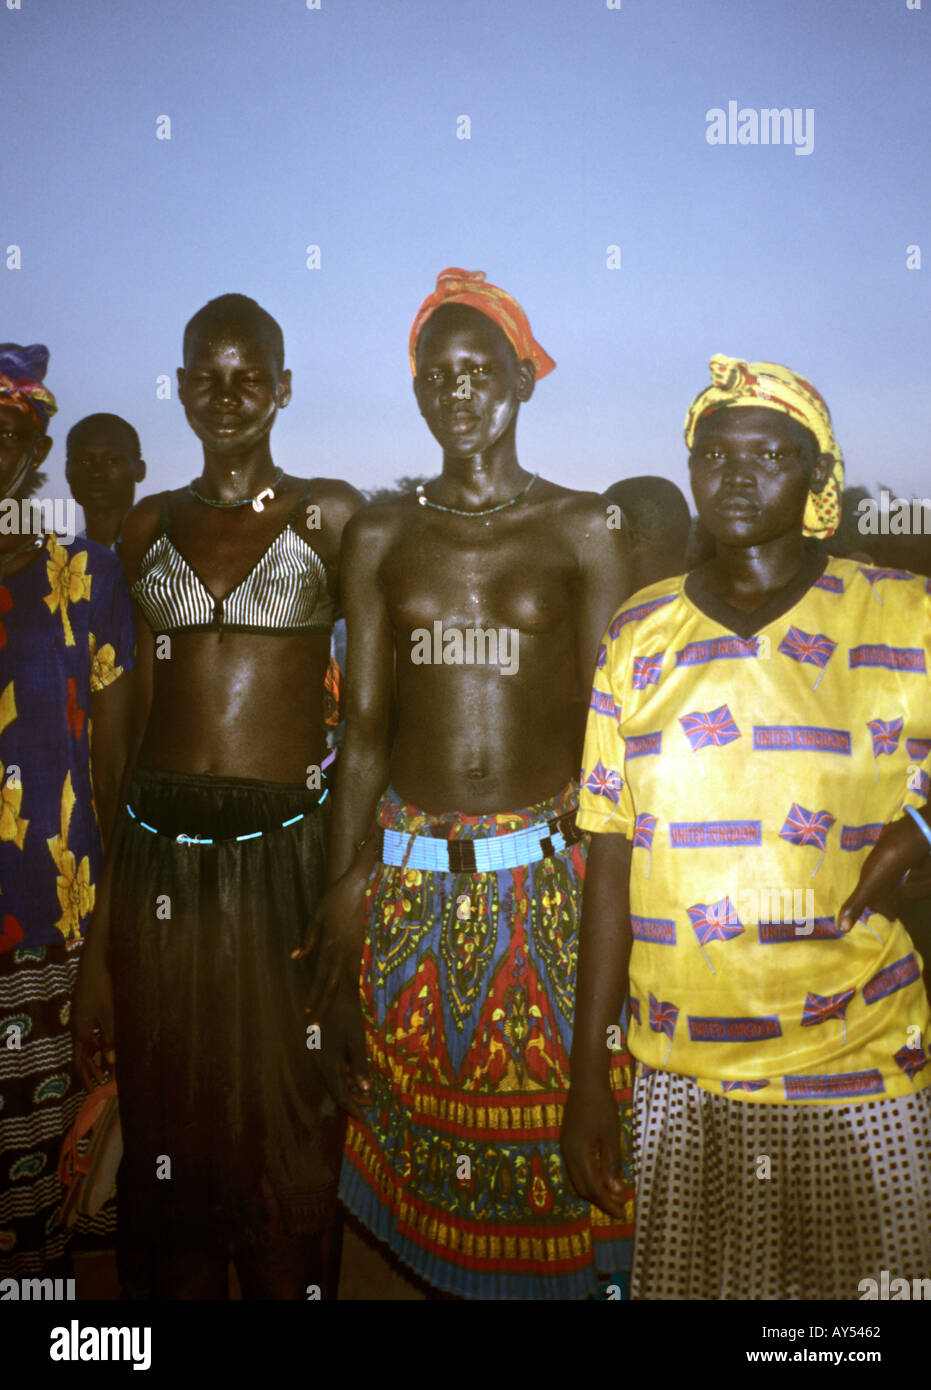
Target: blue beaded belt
{"type": "Point", "coordinates": [229, 839]}
{"type": "Point", "coordinates": [482, 856]}
{"type": "Point", "coordinates": [232, 839]}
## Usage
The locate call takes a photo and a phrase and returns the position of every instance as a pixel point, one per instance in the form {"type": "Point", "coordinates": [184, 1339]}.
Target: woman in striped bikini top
{"type": "Point", "coordinates": [285, 592]}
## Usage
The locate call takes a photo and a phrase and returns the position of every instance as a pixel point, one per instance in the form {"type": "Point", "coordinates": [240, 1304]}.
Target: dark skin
{"type": "Point", "coordinates": [226, 684]}
{"type": "Point", "coordinates": [103, 468]}
{"type": "Point", "coordinates": [232, 390]}
{"type": "Point", "coordinates": [23, 450]}
{"type": "Point", "coordinates": [751, 470]}
{"type": "Point", "coordinates": [468, 737]}
{"type": "Point", "coordinates": [657, 519]}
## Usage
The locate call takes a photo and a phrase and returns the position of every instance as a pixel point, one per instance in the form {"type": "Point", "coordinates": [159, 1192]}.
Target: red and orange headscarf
{"type": "Point", "coordinates": [22, 371]}
{"type": "Point", "coordinates": [738, 383]}
{"type": "Point", "coordinates": [455, 286]}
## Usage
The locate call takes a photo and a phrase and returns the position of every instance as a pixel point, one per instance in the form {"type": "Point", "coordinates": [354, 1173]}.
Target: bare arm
{"type": "Point", "coordinates": [604, 955]}
{"type": "Point", "coordinates": [591, 1134]}
{"type": "Point", "coordinates": [362, 772]}
{"type": "Point", "coordinates": [111, 710]}
{"type": "Point", "coordinates": [900, 846]}
{"type": "Point", "coordinates": [325, 522]}
{"type": "Point", "coordinates": [591, 1128]}
{"type": "Point", "coordinates": [337, 933]}
{"type": "Point", "coordinates": [605, 581]}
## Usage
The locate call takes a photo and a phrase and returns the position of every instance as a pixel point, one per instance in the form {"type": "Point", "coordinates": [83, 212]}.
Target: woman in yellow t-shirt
{"type": "Point", "coordinates": [757, 749]}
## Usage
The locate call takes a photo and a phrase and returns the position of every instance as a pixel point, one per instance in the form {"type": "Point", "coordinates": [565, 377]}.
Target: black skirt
{"type": "Point", "coordinates": [228, 1131]}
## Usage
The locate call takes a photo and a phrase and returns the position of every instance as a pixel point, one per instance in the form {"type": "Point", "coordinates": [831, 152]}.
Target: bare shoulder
{"type": "Point", "coordinates": [141, 526]}
{"type": "Point", "coordinates": [142, 518]}
{"type": "Point", "coordinates": [582, 513]}
{"type": "Point", "coordinates": [335, 494]}
{"type": "Point", "coordinates": [329, 503]}
{"type": "Point", "coordinates": [379, 524]}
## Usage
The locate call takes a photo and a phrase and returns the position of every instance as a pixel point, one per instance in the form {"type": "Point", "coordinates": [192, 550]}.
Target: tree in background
{"type": "Point", "coordinates": [33, 484]}
{"type": "Point", "coordinates": [401, 487]}
{"type": "Point", "coordinates": [847, 539]}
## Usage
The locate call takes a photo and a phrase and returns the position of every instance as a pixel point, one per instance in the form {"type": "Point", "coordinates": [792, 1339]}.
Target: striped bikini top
{"type": "Point", "coordinates": [285, 592]}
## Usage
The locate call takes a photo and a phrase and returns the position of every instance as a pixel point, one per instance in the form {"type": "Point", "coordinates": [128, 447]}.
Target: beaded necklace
{"type": "Point", "coordinates": [257, 502]}
{"type": "Point", "coordinates": [486, 511]}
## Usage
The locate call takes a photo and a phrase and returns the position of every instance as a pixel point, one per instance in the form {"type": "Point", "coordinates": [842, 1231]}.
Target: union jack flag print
{"type": "Point", "coordinates": [820, 1007]}
{"type": "Point", "coordinates": [663, 1020]}
{"type": "Point", "coordinates": [644, 830]}
{"type": "Point", "coordinates": [803, 827]}
{"type": "Point", "coordinates": [806, 827]}
{"type": "Point", "coordinates": [647, 670]}
{"type": "Point", "coordinates": [813, 648]}
{"type": "Point", "coordinates": [714, 922]}
{"type": "Point", "coordinates": [885, 734]}
{"type": "Point", "coordinates": [920, 782]}
{"type": "Point", "coordinates": [604, 781]}
{"type": "Point", "coordinates": [663, 1016]}
{"type": "Point", "coordinates": [911, 1060]}
{"type": "Point", "coordinates": [872, 576]}
{"type": "Point", "coordinates": [716, 726]}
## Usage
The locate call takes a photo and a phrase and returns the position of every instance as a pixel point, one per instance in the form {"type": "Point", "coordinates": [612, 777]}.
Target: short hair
{"type": "Point", "coordinates": [91, 422]}
{"type": "Point", "coordinates": [655, 509]}
{"type": "Point", "coordinates": [236, 311]}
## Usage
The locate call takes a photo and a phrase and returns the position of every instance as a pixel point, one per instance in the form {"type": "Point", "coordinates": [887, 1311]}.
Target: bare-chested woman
{"type": "Point", "coordinates": [485, 598]}
{"type": "Point", "coordinates": [231, 1147]}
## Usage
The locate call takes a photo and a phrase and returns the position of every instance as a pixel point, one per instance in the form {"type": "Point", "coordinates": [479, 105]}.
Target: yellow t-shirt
{"type": "Point", "coordinates": [753, 774]}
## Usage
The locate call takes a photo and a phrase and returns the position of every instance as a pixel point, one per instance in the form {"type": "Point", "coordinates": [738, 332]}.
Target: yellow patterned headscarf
{"type": "Point", "coordinates": [735, 382]}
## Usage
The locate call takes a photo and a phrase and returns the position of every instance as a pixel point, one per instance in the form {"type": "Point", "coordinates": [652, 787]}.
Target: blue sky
{"type": "Point", "coordinates": [337, 127]}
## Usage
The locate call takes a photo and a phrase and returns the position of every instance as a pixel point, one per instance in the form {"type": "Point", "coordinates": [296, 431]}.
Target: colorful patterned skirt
{"type": "Point", "coordinates": [738, 1200]}
{"type": "Point", "coordinates": [468, 985]}
{"type": "Point", "coordinates": [39, 1100]}
{"type": "Point", "coordinates": [228, 1132]}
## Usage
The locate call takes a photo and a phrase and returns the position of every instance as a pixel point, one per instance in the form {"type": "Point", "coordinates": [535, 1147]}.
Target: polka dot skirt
{"type": "Point", "coordinates": [739, 1200]}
